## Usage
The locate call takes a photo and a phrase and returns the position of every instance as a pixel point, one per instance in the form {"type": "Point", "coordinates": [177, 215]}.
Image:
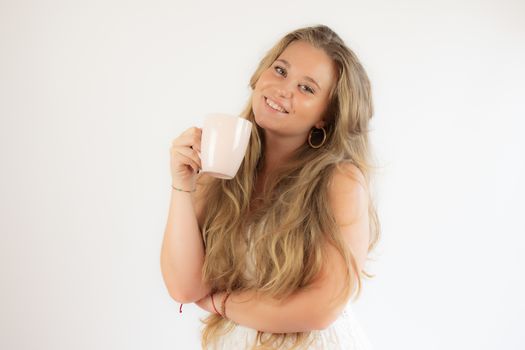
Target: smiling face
{"type": "Point", "coordinates": [299, 80]}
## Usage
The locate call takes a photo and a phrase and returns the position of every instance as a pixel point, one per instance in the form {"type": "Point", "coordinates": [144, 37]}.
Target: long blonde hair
{"type": "Point", "coordinates": [293, 223]}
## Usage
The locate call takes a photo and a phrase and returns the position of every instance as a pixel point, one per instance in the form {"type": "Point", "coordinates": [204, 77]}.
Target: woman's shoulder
{"type": "Point", "coordinates": [347, 173]}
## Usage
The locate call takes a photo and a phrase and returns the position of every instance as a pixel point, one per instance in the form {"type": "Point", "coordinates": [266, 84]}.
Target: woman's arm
{"type": "Point", "coordinates": [298, 313]}
{"type": "Point", "coordinates": [182, 254]}
{"type": "Point", "coordinates": [260, 313]}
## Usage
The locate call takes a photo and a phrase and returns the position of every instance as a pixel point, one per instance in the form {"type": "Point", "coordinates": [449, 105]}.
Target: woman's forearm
{"type": "Point", "coordinates": [182, 254]}
{"type": "Point", "coordinates": [298, 313]}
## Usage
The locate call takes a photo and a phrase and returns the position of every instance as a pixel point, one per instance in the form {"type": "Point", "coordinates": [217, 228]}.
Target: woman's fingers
{"type": "Point", "coordinates": [189, 156]}
{"type": "Point", "coordinates": [189, 138]}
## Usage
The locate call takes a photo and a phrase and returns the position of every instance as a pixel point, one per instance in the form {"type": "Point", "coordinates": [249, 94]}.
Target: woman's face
{"type": "Point", "coordinates": [287, 82]}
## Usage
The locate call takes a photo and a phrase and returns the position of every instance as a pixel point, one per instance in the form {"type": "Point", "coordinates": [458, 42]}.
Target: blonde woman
{"type": "Point", "coordinates": [275, 253]}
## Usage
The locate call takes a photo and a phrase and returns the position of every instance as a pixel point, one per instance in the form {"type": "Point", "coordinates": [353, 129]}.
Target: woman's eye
{"type": "Point", "coordinates": [279, 69]}
{"type": "Point", "coordinates": [309, 89]}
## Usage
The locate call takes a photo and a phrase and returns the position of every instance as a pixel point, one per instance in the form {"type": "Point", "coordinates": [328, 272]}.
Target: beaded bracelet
{"type": "Point", "coordinates": [179, 189]}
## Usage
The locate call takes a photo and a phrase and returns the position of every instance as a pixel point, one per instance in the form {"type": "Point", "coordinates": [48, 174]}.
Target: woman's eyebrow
{"type": "Point", "coordinates": [287, 64]}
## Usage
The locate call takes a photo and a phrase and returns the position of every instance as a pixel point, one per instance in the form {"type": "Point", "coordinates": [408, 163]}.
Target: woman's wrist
{"type": "Point", "coordinates": [183, 185]}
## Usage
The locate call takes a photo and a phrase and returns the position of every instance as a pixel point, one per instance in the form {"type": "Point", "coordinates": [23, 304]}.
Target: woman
{"type": "Point", "coordinates": [275, 253]}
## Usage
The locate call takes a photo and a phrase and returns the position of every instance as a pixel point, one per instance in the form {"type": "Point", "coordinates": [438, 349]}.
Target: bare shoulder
{"type": "Point", "coordinates": [347, 175]}
{"type": "Point", "coordinates": [348, 193]}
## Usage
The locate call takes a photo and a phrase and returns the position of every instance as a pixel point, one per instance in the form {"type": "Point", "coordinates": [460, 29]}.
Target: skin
{"type": "Point", "coordinates": [206, 303]}
{"type": "Point", "coordinates": [285, 133]}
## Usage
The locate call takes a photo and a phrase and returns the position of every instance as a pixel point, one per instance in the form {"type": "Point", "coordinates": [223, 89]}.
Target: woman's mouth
{"type": "Point", "coordinates": [273, 107]}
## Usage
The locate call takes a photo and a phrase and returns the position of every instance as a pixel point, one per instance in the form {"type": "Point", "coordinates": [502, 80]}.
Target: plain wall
{"type": "Point", "coordinates": [92, 93]}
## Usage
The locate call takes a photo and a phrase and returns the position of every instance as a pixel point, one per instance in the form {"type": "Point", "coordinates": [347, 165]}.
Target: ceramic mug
{"type": "Point", "coordinates": [224, 141]}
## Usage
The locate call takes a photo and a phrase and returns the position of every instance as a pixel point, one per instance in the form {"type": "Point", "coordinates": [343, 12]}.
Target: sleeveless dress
{"type": "Point", "coordinates": [344, 333]}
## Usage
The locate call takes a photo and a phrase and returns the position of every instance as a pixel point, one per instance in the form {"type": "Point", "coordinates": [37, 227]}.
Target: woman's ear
{"type": "Point", "coordinates": [320, 124]}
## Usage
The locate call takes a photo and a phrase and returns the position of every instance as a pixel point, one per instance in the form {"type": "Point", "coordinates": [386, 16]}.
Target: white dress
{"type": "Point", "coordinates": [344, 333]}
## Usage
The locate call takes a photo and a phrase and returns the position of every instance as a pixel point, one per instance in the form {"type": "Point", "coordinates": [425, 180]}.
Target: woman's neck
{"type": "Point", "coordinates": [277, 150]}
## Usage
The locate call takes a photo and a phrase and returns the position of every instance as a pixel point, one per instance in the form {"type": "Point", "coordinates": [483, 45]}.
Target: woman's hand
{"type": "Point", "coordinates": [184, 156]}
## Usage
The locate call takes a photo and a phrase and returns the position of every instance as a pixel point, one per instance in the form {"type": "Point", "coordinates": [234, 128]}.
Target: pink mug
{"type": "Point", "coordinates": [224, 141]}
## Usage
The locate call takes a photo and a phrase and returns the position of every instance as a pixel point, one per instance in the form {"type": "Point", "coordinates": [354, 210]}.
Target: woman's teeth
{"type": "Point", "coordinates": [274, 106]}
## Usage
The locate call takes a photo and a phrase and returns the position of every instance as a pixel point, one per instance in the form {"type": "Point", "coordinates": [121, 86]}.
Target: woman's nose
{"type": "Point", "coordinates": [285, 91]}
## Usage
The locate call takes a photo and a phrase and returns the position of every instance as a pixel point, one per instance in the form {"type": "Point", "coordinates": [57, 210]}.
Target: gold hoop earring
{"type": "Point", "coordinates": [322, 142]}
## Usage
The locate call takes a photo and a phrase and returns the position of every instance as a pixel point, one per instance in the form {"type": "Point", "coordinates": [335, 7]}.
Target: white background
{"type": "Point", "coordinates": [92, 94]}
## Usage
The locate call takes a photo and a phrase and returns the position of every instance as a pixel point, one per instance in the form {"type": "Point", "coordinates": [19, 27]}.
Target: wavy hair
{"type": "Point", "coordinates": [293, 223]}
